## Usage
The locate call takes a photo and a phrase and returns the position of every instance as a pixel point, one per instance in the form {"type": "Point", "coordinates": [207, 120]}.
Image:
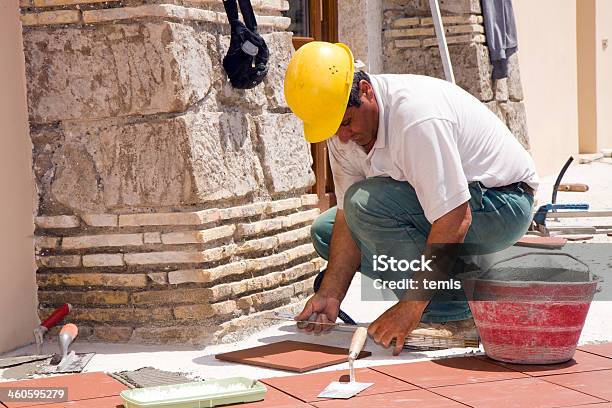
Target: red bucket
{"type": "Point", "coordinates": [531, 316]}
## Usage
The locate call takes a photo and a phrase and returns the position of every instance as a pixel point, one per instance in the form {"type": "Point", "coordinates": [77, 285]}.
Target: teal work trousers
{"type": "Point", "coordinates": [385, 218]}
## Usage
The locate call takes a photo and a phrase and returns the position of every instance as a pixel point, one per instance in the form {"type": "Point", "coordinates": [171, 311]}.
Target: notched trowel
{"type": "Point", "coordinates": [344, 390]}
{"type": "Point", "coordinates": [69, 362]}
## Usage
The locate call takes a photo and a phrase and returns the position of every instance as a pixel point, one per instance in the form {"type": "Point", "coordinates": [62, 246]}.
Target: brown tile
{"type": "Point", "coordinates": [403, 399]}
{"type": "Point", "coordinates": [80, 387]}
{"type": "Point", "coordinates": [104, 402]}
{"type": "Point", "coordinates": [307, 386]}
{"type": "Point", "coordinates": [532, 241]}
{"type": "Point", "coordinates": [274, 399]}
{"type": "Point", "coordinates": [604, 350]}
{"type": "Point", "coordinates": [582, 361]}
{"type": "Point", "coordinates": [520, 392]}
{"type": "Point", "coordinates": [290, 355]}
{"type": "Point", "coordinates": [448, 371]}
{"type": "Point", "coordinates": [596, 383]}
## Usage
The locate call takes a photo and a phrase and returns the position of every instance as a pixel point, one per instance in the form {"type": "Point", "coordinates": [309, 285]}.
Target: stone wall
{"type": "Point", "coordinates": [171, 207]}
{"type": "Point", "coordinates": [410, 46]}
{"type": "Point", "coordinates": [359, 26]}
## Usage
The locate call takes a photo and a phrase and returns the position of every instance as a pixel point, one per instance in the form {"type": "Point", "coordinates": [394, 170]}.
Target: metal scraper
{"type": "Point", "coordinates": [342, 390]}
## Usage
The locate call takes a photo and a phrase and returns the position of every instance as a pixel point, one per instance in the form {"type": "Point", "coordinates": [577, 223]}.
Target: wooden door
{"type": "Point", "coordinates": [316, 20]}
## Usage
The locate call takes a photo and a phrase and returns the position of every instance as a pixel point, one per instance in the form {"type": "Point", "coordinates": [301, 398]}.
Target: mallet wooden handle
{"type": "Point", "coordinates": [357, 342]}
{"type": "Point", "coordinates": [573, 187]}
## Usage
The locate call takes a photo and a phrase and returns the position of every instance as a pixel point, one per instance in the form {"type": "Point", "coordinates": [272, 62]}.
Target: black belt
{"type": "Point", "coordinates": [515, 187]}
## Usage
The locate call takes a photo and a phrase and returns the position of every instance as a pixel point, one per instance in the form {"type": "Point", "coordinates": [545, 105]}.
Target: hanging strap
{"type": "Point", "coordinates": [248, 15]}
{"type": "Point", "coordinates": [231, 9]}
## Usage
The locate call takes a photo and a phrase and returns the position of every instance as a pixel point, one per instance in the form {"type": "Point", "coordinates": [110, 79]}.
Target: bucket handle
{"type": "Point", "coordinates": [537, 253]}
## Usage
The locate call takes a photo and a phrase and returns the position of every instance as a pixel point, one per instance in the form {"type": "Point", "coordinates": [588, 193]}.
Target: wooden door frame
{"type": "Point", "coordinates": [323, 26]}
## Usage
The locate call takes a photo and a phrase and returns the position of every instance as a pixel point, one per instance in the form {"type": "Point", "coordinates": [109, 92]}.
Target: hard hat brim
{"type": "Point", "coordinates": [315, 133]}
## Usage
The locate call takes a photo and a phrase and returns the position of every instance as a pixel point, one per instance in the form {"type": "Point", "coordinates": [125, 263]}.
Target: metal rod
{"type": "Point", "coordinates": [579, 214]}
{"type": "Point", "coordinates": [442, 45]}
{"type": "Point", "coordinates": [412, 339]}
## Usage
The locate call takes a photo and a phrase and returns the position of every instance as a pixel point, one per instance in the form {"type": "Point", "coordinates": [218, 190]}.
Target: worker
{"type": "Point", "coordinates": [418, 164]}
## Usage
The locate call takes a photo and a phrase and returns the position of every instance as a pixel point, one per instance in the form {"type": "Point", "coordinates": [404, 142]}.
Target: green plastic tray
{"type": "Point", "coordinates": [196, 394]}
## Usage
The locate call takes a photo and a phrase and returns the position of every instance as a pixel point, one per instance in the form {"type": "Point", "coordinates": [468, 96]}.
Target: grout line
{"type": "Point", "coordinates": [604, 400]}
{"type": "Point", "coordinates": [449, 398]}
{"type": "Point", "coordinates": [452, 385]}
{"type": "Point", "coordinates": [284, 392]}
{"type": "Point", "coordinates": [594, 353]}
{"type": "Point", "coordinates": [500, 364]}
{"type": "Point", "coordinates": [397, 378]}
{"type": "Point", "coordinates": [575, 372]}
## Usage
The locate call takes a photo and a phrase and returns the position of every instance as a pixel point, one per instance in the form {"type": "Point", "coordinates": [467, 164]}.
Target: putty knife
{"type": "Point", "coordinates": [338, 389]}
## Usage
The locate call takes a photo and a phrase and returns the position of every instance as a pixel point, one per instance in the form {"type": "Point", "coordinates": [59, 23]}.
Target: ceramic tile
{"type": "Point", "coordinates": [290, 355]}
{"type": "Point", "coordinates": [307, 386]}
{"type": "Point", "coordinates": [448, 371]}
{"type": "Point", "coordinates": [604, 350]}
{"type": "Point", "coordinates": [582, 361]}
{"type": "Point", "coordinates": [532, 241]}
{"type": "Point", "coordinates": [105, 402]}
{"type": "Point", "coordinates": [403, 399]}
{"type": "Point", "coordinates": [274, 399]}
{"type": "Point", "coordinates": [520, 392]}
{"type": "Point", "coordinates": [596, 383]}
{"type": "Point", "coordinates": [80, 386]}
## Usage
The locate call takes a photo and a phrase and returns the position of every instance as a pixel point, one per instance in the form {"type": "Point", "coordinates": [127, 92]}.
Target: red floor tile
{"type": "Point", "coordinates": [307, 386]}
{"type": "Point", "coordinates": [582, 361]}
{"type": "Point", "coordinates": [80, 387]}
{"type": "Point", "coordinates": [604, 350]}
{"type": "Point", "coordinates": [274, 399]}
{"type": "Point", "coordinates": [403, 399]}
{"type": "Point", "coordinates": [521, 392]}
{"type": "Point", "coordinates": [105, 402]}
{"type": "Point", "coordinates": [596, 383]}
{"type": "Point", "coordinates": [448, 371]}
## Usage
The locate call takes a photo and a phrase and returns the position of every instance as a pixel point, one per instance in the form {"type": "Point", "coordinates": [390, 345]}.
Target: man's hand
{"type": "Point", "coordinates": [322, 309]}
{"type": "Point", "coordinates": [397, 323]}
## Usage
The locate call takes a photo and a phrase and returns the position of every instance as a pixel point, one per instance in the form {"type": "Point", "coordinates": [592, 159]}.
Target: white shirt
{"type": "Point", "coordinates": [438, 138]}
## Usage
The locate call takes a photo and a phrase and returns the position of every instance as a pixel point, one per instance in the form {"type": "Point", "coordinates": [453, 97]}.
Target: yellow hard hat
{"type": "Point", "coordinates": [317, 87]}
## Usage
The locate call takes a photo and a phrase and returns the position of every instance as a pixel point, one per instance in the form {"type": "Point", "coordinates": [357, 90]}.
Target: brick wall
{"type": "Point", "coordinates": [171, 207]}
{"type": "Point", "coordinates": [153, 276]}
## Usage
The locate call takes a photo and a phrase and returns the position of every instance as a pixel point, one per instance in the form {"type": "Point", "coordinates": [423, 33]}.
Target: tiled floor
{"type": "Point", "coordinates": [476, 382]}
{"type": "Point", "coordinates": [310, 385]}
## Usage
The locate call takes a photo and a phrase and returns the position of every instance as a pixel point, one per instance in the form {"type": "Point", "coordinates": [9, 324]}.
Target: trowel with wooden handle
{"type": "Point", "coordinates": [346, 390]}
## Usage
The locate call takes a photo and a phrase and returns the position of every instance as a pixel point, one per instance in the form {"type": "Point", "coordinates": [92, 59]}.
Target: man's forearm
{"type": "Point", "coordinates": [344, 259]}
{"type": "Point", "coordinates": [446, 234]}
